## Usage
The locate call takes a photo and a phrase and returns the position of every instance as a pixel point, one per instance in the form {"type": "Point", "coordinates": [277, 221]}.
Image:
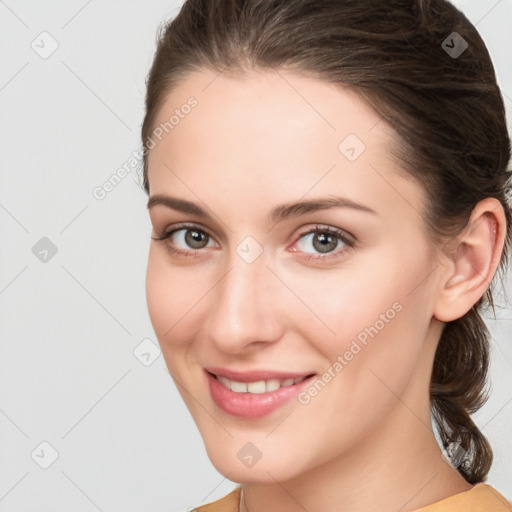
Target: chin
{"type": "Point", "coordinates": [228, 459]}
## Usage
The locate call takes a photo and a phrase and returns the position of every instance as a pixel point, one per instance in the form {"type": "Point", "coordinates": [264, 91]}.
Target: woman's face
{"type": "Point", "coordinates": [255, 289]}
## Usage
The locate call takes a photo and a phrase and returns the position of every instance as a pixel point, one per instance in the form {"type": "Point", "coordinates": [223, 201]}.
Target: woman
{"type": "Point", "coordinates": [327, 188]}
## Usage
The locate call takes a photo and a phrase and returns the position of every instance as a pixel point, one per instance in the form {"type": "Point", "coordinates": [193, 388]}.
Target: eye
{"type": "Point", "coordinates": [186, 239]}
{"type": "Point", "coordinates": [325, 241]}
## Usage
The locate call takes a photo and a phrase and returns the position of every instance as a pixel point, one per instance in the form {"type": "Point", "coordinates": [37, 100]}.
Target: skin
{"type": "Point", "coordinates": [254, 142]}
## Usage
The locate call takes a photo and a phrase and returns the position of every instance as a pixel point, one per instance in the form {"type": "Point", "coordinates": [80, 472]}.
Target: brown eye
{"type": "Point", "coordinates": [195, 238]}
{"type": "Point", "coordinates": [187, 238]}
{"type": "Point", "coordinates": [323, 242]}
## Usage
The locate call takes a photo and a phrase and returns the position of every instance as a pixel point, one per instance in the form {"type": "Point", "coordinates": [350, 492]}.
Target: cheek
{"type": "Point", "coordinates": [347, 305]}
{"type": "Point", "coordinates": [170, 296]}
{"type": "Point", "coordinates": [158, 298]}
{"type": "Point", "coordinates": [375, 321]}
{"type": "Point", "coordinates": [382, 294]}
{"type": "Point", "coordinates": [177, 299]}
{"type": "Point", "coordinates": [168, 300]}
{"type": "Point", "coordinates": [381, 321]}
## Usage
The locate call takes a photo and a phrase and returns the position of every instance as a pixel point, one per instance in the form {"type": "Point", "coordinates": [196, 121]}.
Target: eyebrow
{"type": "Point", "coordinates": [278, 214]}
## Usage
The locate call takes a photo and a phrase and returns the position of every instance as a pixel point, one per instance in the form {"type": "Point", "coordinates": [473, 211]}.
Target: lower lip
{"type": "Point", "coordinates": [252, 405]}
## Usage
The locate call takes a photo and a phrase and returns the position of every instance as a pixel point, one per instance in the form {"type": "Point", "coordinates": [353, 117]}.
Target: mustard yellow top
{"type": "Point", "coordinates": [480, 498]}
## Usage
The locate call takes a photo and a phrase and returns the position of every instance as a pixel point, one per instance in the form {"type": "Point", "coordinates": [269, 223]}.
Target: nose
{"type": "Point", "coordinates": [245, 307]}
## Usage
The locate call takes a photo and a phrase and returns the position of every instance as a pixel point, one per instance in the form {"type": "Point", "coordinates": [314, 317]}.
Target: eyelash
{"type": "Point", "coordinates": [336, 233]}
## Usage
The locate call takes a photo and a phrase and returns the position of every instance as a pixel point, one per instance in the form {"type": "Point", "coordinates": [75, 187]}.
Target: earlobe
{"type": "Point", "coordinates": [473, 262]}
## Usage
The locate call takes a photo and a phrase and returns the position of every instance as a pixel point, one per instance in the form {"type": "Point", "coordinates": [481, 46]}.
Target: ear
{"type": "Point", "coordinates": [472, 260]}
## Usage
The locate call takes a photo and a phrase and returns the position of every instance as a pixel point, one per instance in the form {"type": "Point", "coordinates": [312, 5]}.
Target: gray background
{"type": "Point", "coordinates": [71, 370]}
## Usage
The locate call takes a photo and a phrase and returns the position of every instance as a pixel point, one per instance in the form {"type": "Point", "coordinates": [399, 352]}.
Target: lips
{"type": "Point", "coordinates": [256, 393]}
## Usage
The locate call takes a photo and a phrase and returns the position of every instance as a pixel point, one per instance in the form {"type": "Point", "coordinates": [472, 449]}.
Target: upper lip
{"type": "Point", "coordinates": [255, 375]}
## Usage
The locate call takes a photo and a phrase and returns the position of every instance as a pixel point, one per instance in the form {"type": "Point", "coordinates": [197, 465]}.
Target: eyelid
{"type": "Point", "coordinates": [185, 225]}
{"type": "Point", "coordinates": [317, 227]}
{"type": "Point", "coordinates": [325, 228]}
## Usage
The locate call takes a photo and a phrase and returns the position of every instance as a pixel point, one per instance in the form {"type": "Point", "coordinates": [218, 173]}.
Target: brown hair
{"type": "Point", "coordinates": [446, 109]}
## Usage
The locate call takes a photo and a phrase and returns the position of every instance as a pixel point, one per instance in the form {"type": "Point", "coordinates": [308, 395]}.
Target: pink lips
{"type": "Point", "coordinates": [252, 405]}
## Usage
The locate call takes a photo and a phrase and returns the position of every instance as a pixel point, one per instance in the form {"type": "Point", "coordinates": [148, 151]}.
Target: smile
{"type": "Point", "coordinates": [253, 394]}
{"type": "Point", "coordinates": [258, 387]}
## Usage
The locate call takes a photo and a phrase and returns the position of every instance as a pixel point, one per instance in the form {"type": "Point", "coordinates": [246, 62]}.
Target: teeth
{"type": "Point", "coordinates": [224, 381]}
{"type": "Point", "coordinates": [261, 386]}
{"type": "Point", "coordinates": [273, 384]}
{"type": "Point", "coordinates": [257, 387]}
{"type": "Point", "coordinates": [238, 387]}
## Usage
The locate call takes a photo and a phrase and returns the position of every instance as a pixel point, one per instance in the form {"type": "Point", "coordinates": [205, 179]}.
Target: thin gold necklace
{"type": "Point", "coordinates": [242, 498]}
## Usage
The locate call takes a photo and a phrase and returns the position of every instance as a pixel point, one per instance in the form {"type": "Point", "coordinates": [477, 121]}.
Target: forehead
{"type": "Point", "coordinates": [267, 102]}
{"type": "Point", "coordinates": [291, 133]}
